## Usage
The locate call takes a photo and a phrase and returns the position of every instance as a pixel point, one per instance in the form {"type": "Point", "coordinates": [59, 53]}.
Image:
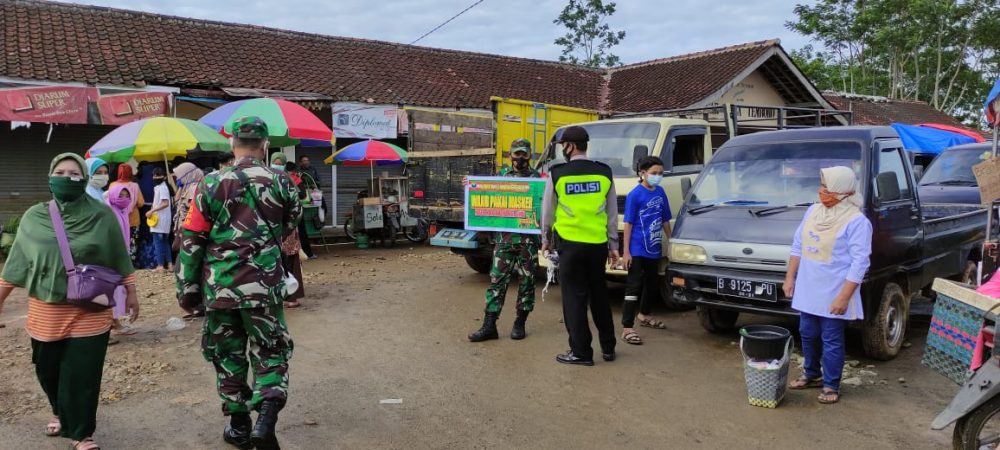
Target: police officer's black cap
{"type": "Point", "coordinates": [574, 134]}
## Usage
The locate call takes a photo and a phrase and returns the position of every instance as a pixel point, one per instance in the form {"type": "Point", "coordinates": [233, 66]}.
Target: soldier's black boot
{"type": "Point", "coordinates": [263, 436]}
{"type": "Point", "coordinates": [237, 433]}
{"type": "Point", "coordinates": [488, 330]}
{"type": "Point", "coordinates": [518, 331]}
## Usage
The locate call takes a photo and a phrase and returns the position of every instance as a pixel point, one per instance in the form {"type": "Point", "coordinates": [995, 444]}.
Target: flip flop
{"type": "Point", "coordinates": [828, 396]}
{"type": "Point", "coordinates": [54, 428]}
{"type": "Point", "coordinates": [806, 383]}
{"type": "Point", "coordinates": [293, 304]}
{"type": "Point", "coordinates": [632, 338]}
{"type": "Point", "coordinates": [653, 323]}
{"type": "Point", "coordinates": [86, 444]}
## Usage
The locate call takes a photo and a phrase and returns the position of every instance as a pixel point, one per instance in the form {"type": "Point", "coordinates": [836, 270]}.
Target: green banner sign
{"type": "Point", "coordinates": [504, 204]}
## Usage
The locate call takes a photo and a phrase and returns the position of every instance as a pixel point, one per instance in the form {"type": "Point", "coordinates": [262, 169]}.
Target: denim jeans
{"type": "Point", "coordinates": [823, 342]}
{"type": "Point", "coordinates": [161, 249]}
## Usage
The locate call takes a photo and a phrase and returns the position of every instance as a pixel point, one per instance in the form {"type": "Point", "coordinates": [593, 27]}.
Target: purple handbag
{"type": "Point", "coordinates": [87, 286]}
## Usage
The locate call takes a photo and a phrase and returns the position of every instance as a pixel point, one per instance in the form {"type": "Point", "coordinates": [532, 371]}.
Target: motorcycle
{"type": "Point", "coordinates": [393, 218]}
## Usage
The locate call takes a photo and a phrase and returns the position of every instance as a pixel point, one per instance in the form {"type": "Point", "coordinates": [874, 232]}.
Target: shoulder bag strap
{"type": "Point", "coordinates": [60, 230]}
{"type": "Point", "coordinates": [248, 188]}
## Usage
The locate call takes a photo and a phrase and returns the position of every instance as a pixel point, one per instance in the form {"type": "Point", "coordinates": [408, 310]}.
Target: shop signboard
{"type": "Point", "coordinates": [20, 102]}
{"type": "Point", "coordinates": [504, 204]}
{"type": "Point", "coordinates": [119, 109]}
{"type": "Point", "coordinates": [50, 104]}
{"type": "Point", "coordinates": [364, 121]}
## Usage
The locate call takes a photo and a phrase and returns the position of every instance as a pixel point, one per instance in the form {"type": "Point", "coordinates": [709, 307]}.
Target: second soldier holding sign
{"type": "Point", "coordinates": [515, 254]}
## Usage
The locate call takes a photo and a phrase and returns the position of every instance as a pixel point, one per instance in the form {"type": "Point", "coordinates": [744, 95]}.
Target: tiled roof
{"type": "Point", "coordinates": [75, 43]}
{"type": "Point", "coordinates": [881, 111]}
{"type": "Point", "coordinates": [680, 81]}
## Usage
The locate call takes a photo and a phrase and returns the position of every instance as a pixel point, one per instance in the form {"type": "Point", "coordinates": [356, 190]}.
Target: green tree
{"type": "Point", "coordinates": [589, 38]}
{"type": "Point", "coordinates": [943, 52]}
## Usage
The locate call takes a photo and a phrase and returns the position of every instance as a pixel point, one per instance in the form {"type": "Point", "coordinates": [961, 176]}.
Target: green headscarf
{"type": "Point", "coordinates": [94, 238]}
{"type": "Point", "coordinates": [277, 155]}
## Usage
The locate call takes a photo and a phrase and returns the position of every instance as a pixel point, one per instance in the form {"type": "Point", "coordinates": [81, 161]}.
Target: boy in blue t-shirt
{"type": "Point", "coordinates": [647, 225]}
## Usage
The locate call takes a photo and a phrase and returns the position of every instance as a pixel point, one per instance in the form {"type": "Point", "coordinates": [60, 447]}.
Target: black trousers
{"type": "Point", "coordinates": [640, 289]}
{"type": "Point", "coordinates": [581, 279]}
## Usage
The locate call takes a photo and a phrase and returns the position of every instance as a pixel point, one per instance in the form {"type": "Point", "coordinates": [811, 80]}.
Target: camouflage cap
{"type": "Point", "coordinates": [521, 145]}
{"type": "Point", "coordinates": [249, 127]}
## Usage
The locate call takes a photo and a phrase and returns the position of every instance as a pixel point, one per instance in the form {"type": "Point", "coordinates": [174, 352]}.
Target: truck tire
{"type": "Point", "coordinates": [667, 294]}
{"type": "Point", "coordinates": [717, 321]}
{"type": "Point", "coordinates": [481, 264]}
{"type": "Point", "coordinates": [968, 428]}
{"type": "Point", "coordinates": [885, 331]}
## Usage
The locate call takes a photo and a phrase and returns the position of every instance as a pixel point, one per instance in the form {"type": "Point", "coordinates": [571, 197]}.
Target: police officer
{"type": "Point", "coordinates": [514, 254]}
{"type": "Point", "coordinates": [580, 211]}
{"type": "Point", "coordinates": [230, 260]}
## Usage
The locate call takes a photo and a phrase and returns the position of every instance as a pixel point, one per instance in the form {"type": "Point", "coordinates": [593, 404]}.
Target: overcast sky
{"type": "Point", "coordinates": [655, 28]}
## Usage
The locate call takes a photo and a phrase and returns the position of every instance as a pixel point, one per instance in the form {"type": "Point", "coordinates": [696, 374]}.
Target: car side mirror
{"type": "Point", "coordinates": [685, 187]}
{"type": "Point", "coordinates": [888, 187]}
{"type": "Point", "coordinates": [918, 172]}
{"type": "Point", "coordinates": [638, 152]}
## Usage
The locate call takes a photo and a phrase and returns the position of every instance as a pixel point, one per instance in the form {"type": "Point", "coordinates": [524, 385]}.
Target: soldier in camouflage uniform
{"type": "Point", "coordinates": [230, 260]}
{"type": "Point", "coordinates": [514, 254]}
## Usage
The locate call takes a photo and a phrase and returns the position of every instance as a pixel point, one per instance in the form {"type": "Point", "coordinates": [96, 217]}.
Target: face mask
{"type": "Point", "coordinates": [121, 202]}
{"type": "Point", "coordinates": [830, 199]}
{"type": "Point", "coordinates": [520, 163]}
{"type": "Point", "coordinates": [566, 152]}
{"type": "Point", "coordinates": [654, 180]}
{"type": "Point", "coordinates": [179, 183]}
{"type": "Point", "coordinates": [158, 180]}
{"type": "Point", "coordinates": [278, 167]}
{"type": "Point", "coordinates": [99, 181]}
{"type": "Point", "coordinates": [66, 189]}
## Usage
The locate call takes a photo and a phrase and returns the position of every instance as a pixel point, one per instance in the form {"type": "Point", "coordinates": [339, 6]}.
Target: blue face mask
{"type": "Point", "coordinates": [654, 180]}
{"type": "Point", "coordinates": [278, 167]}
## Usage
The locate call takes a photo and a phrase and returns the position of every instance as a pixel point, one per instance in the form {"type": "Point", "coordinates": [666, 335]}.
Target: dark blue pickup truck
{"type": "Point", "coordinates": [736, 228]}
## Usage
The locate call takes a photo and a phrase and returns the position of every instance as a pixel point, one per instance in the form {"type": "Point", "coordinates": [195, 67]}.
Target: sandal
{"type": "Point", "coordinates": [805, 383]}
{"type": "Point", "coordinates": [292, 304]}
{"type": "Point", "coordinates": [652, 323]}
{"type": "Point", "coordinates": [632, 337]}
{"type": "Point", "coordinates": [54, 428]}
{"type": "Point", "coordinates": [828, 396]}
{"type": "Point", "coordinates": [86, 444]}
{"type": "Point", "coordinates": [123, 330]}
{"type": "Point", "coordinates": [193, 315]}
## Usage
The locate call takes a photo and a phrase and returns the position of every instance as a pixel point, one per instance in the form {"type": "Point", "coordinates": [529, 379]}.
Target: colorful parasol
{"type": "Point", "coordinates": [288, 123]}
{"type": "Point", "coordinates": [368, 153]}
{"type": "Point", "coordinates": [157, 139]}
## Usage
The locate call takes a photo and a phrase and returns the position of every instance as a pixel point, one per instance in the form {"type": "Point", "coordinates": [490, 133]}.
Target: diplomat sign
{"type": "Point", "coordinates": [364, 121]}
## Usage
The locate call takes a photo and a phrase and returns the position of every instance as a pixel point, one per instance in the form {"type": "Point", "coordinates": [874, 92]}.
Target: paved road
{"type": "Point", "coordinates": [391, 324]}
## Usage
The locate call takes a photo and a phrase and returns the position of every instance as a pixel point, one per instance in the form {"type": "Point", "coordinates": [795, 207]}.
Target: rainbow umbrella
{"type": "Point", "coordinates": [288, 123]}
{"type": "Point", "coordinates": [368, 153]}
{"type": "Point", "coordinates": [157, 139]}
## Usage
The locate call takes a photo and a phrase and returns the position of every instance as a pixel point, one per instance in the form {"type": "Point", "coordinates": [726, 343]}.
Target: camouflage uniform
{"type": "Point", "coordinates": [230, 261]}
{"type": "Point", "coordinates": [514, 254]}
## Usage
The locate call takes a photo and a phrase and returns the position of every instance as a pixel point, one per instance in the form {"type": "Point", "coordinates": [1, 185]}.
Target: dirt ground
{"type": "Point", "coordinates": [392, 323]}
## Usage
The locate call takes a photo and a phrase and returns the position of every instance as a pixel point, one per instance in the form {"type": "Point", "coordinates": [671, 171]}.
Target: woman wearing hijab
{"type": "Point", "coordinates": [829, 258]}
{"type": "Point", "coordinates": [186, 177]}
{"type": "Point", "coordinates": [125, 178]}
{"type": "Point", "coordinates": [98, 171]}
{"type": "Point", "coordinates": [120, 201]}
{"type": "Point", "coordinates": [68, 343]}
{"type": "Point", "coordinates": [278, 161]}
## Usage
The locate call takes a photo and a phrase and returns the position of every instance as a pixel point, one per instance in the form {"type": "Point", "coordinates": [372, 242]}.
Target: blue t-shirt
{"type": "Point", "coordinates": [647, 210]}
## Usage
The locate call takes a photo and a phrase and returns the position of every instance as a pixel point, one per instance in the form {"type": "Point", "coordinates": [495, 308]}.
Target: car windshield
{"type": "Point", "coordinates": [953, 166]}
{"type": "Point", "coordinates": [771, 174]}
{"type": "Point", "coordinates": [612, 143]}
